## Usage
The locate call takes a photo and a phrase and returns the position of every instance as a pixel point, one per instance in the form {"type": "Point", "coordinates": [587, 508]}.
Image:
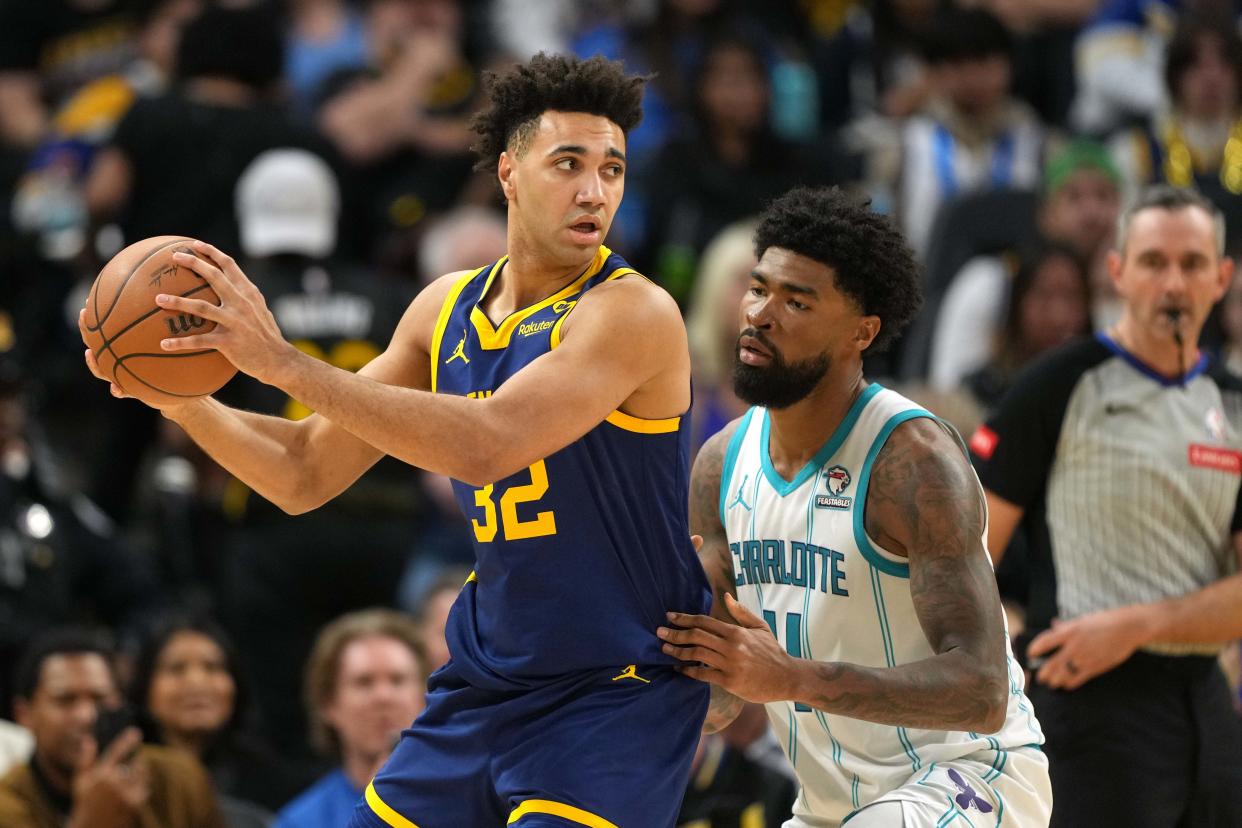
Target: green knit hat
{"type": "Point", "coordinates": [1079, 154]}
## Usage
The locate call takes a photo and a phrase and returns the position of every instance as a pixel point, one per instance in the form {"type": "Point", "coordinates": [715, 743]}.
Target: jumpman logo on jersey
{"type": "Point", "coordinates": [459, 352]}
{"type": "Point", "coordinates": [631, 672]}
{"type": "Point", "coordinates": [739, 498]}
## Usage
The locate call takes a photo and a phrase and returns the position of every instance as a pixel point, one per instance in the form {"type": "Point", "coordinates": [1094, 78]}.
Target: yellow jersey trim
{"type": "Point", "coordinates": [560, 809]}
{"type": "Point", "coordinates": [446, 310]}
{"type": "Point", "coordinates": [383, 811]}
{"type": "Point", "coordinates": [616, 274]}
{"type": "Point", "coordinates": [630, 423]}
{"type": "Point", "coordinates": [492, 338]}
{"type": "Point", "coordinates": [473, 576]}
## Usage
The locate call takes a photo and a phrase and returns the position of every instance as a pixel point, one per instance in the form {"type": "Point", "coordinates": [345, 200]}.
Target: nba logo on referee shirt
{"type": "Point", "coordinates": [836, 480]}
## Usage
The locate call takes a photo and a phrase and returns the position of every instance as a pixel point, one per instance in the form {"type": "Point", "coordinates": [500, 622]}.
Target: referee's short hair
{"type": "Point", "coordinates": [1166, 197]}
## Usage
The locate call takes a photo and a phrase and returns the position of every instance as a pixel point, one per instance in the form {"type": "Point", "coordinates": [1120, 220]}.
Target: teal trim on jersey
{"type": "Point", "coordinates": [793, 738]}
{"type": "Point", "coordinates": [860, 496]}
{"type": "Point", "coordinates": [953, 813]}
{"type": "Point", "coordinates": [886, 635]}
{"type": "Point", "coordinates": [730, 460]}
{"type": "Point", "coordinates": [1016, 692]}
{"type": "Point", "coordinates": [854, 792]}
{"type": "Point", "coordinates": [930, 768]}
{"type": "Point", "coordinates": [806, 640]}
{"type": "Point", "coordinates": [1000, 806]}
{"type": "Point", "coordinates": [829, 448]}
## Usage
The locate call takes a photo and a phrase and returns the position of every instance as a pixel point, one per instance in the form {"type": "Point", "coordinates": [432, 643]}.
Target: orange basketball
{"type": "Point", "coordinates": [124, 326]}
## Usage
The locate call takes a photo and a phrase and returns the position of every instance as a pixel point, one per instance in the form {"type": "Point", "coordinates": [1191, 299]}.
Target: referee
{"type": "Point", "coordinates": [1121, 456]}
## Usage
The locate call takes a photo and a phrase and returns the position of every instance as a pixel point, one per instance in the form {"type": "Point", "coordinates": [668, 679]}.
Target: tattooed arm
{"type": "Point", "coordinates": [922, 503]}
{"type": "Point", "coordinates": [714, 555]}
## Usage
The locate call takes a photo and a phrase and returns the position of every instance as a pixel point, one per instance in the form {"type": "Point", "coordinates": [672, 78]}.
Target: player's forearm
{"type": "Point", "coordinates": [441, 433]}
{"type": "Point", "coordinates": [263, 452]}
{"type": "Point", "coordinates": [1211, 614]}
{"type": "Point", "coordinates": [723, 708]}
{"type": "Point", "coordinates": [949, 691]}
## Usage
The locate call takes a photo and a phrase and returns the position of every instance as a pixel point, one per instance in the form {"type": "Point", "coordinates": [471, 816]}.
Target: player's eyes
{"type": "Point", "coordinates": [617, 170]}
{"type": "Point", "coordinates": [796, 305]}
{"type": "Point", "coordinates": [566, 164]}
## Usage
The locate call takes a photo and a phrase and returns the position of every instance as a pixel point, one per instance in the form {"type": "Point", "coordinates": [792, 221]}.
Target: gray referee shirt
{"type": "Point", "coordinates": [1129, 480]}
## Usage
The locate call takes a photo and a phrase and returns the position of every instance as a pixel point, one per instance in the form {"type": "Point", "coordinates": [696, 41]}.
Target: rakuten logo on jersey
{"type": "Point", "coordinates": [1214, 457]}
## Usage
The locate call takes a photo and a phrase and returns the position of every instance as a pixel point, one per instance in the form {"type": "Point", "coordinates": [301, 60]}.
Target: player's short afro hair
{"type": "Point", "coordinates": [560, 83]}
{"type": "Point", "coordinates": [871, 261]}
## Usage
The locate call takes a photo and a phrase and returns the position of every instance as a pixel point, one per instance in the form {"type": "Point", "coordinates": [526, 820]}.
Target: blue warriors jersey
{"type": "Point", "coordinates": [579, 556]}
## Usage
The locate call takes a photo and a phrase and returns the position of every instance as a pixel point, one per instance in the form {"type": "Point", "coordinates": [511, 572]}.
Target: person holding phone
{"type": "Point", "coordinates": [90, 768]}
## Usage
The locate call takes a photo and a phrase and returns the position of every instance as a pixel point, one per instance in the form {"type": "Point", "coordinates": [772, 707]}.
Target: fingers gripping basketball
{"type": "Point", "coordinates": [123, 326]}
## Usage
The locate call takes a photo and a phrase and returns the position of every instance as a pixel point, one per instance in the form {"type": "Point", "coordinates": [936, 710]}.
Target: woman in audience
{"type": "Point", "coordinates": [189, 694]}
{"type": "Point", "coordinates": [1049, 304]}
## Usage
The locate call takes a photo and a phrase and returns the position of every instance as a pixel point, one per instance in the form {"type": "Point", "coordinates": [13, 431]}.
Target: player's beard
{"type": "Point", "coordinates": [779, 384]}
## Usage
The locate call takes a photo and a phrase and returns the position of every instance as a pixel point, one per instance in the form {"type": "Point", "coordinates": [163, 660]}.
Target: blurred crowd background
{"type": "Point", "coordinates": [324, 143]}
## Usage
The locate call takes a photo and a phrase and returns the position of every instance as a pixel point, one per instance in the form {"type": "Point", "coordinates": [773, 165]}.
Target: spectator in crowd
{"type": "Point", "coordinates": [401, 124]}
{"type": "Point", "coordinates": [1078, 208]}
{"type": "Point", "coordinates": [49, 50]}
{"type": "Point", "coordinates": [366, 681]}
{"type": "Point", "coordinates": [727, 168]}
{"type": "Point", "coordinates": [1049, 304]}
{"type": "Point", "coordinates": [1197, 141]}
{"type": "Point", "coordinates": [48, 202]}
{"type": "Point", "coordinates": [351, 553]}
{"type": "Point", "coordinates": [970, 135]}
{"type": "Point", "coordinates": [189, 694]}
{"type": "Point", "coordinates": [727, 789]}
{"type": "Point", "coordinates": [1124, 455]}
{"type": "Point", "coordinates": [65, 683]}
{"type": "Point", "coordinates": [711, 325]}
{"type": "Point", "coordinates": [61, 560]}
{"type": "Point", "coordinates": [323, 37]}
{"type": "Point", "coordinates": [1117, 61]}
{"type": "Point", "coordinates": [174, 159]}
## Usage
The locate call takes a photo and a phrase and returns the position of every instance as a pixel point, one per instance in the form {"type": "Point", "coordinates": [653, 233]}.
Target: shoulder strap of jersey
{"type": "Point", "coordinates": [446, 311]}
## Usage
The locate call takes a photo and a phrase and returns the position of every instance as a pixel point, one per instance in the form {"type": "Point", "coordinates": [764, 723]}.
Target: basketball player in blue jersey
{"type": "Point", "coordinates": [844, 537]}
{"type": "Point", "coordinates": [551, 385]}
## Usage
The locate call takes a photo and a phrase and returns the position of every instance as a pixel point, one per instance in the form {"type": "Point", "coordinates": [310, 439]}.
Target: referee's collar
{"type": "Point", "coordinates": [1198, 368]}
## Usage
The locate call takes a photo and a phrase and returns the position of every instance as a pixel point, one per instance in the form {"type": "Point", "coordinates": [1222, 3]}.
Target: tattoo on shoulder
{"type": "Point", "coordinates": [922, 493]}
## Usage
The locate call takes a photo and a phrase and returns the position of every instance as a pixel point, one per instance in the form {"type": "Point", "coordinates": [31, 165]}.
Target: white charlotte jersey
{"type": "Point", "coordinates": [803, 562]}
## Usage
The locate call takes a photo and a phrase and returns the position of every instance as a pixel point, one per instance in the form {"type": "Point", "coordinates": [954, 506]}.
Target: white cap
{"type": "Point", "coordinates": [287, 202]}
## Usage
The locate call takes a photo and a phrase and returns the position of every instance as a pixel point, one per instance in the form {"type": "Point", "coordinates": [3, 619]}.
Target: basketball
{"type": "Point", "coordinates": [123, 326]}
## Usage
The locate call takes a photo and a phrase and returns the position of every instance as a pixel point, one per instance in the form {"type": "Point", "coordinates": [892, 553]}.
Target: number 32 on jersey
{"type": "Point", "coordinates": [542, 525]}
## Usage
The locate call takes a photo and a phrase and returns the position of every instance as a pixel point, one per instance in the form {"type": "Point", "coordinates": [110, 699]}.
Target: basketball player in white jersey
{"type": "Point", "coordinates": [843, 533]}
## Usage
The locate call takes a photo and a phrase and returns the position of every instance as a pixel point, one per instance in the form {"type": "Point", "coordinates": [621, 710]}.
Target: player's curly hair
{"type": "Point", "coordinates": [560, 83]}
{"type": "Point", "coordinates": [871, 261]}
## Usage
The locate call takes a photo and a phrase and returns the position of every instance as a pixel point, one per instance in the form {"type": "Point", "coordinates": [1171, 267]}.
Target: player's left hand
{"type": "Point", "coordinates": [1085, 647]}
{"type": "Point", "coordinates": [246, 332]}
{"type": "Point", "coordinates": [744, 659]}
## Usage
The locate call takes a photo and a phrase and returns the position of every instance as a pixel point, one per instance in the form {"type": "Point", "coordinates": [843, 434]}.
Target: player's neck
{"type": "Point", "coordinates": [798, 432]}
{"type": "Point", "coordinates": [529, 276]}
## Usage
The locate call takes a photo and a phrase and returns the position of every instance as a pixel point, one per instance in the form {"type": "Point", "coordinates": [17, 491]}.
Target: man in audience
{"type": "Point", "coordinates": [65, 685]}
{"type": "Point", "coordinates": [366, 681]}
